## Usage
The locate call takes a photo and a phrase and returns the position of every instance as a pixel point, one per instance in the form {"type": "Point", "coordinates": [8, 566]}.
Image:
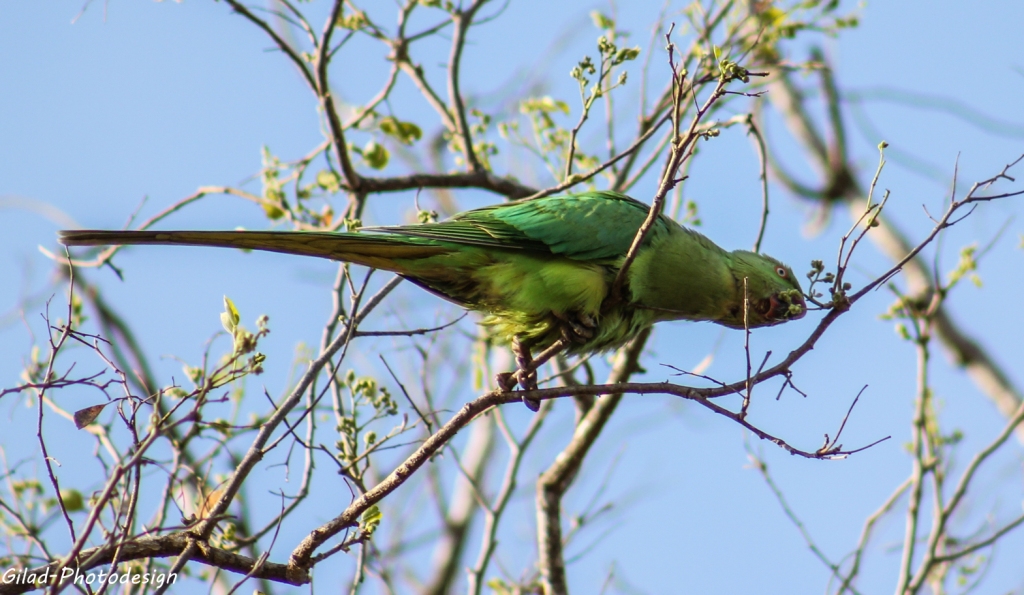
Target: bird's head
{"type": "Point", "coordinates": [772, 291]}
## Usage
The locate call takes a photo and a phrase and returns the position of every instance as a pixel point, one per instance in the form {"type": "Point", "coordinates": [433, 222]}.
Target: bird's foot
{"type": "Point", "coordinates": [528, 382]}
{"type": "Point", "coordinates": [506, 381]}
{"type": "Point", "coordinates": [578, 328]}
{"type": "Point", "coordinates": [525, 374]}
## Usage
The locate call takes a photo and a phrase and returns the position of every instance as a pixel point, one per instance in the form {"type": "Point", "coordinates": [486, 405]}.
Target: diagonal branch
{"type": "Point", "coordinates": [163, 546]}
{"type": "Point", "coordinates": [278, 40]}
{"type": "Point", "coordinates": [839, 184]}
{"type": "Point", "coordinates": [302, 554]}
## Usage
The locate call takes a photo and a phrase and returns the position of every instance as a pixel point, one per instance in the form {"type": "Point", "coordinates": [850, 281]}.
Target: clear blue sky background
{"type": "Point", "coordinates": [141, 100]}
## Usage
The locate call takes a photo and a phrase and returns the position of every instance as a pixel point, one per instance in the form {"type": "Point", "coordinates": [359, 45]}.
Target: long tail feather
{"type": "Point", "coordinates": [378, 251]}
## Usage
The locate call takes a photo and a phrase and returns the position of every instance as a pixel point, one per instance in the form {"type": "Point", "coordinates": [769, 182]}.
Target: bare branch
{"type": "Point", "coordinates": [555, 481]}
{"type": "Point", "coordinates": [763, 160]}
{"type": "Point", "coordinates": [461, 21]}
{"type": "Point", "coordinates": [981, 367]}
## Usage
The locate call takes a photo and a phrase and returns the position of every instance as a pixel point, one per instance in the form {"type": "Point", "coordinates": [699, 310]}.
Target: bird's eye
{"type": "Point", "coordinates": [781, 271]}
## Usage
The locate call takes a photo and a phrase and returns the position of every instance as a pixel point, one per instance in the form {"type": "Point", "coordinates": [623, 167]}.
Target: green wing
{"type": "Point", "coordinates": [585, 226]}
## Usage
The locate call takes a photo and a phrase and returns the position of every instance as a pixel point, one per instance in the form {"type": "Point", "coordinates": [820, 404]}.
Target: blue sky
{"type": "Point", "coordinates": [137, 104]}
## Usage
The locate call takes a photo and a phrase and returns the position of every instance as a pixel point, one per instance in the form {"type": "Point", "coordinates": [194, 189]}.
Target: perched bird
{"type": "Point", "coordinates": [541, 271]}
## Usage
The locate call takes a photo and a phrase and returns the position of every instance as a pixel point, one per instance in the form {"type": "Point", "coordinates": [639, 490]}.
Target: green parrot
{"type": "Point", "coordinates": [541, 270]}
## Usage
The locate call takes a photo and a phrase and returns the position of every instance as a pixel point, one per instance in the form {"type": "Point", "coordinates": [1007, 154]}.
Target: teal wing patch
{"type": "Point", "coordinates": [585, 226]}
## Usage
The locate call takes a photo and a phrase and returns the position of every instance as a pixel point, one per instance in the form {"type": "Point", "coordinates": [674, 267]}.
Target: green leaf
{"type": "Point", "coordinates": [370, 520]}
{"type": "Point", "coordinates": [73, 501]}
{"type": "Point", "coordinates": [626, 54]}
{"type": "Point", "coordinates": [353, 22]}
{"type": "Point", "coordinates": [544, 104]}
{"type": "Point", "coordinates": [193, 373]}
{"type": "Point", "coordinates": [272, 211]}
{"type": "Point", "coordinates": [602, 21]}
{"type": "Point", "coordinates": [901, 330]}
{"type": "Point", "coordinates": [404, 132]}
{"type": "Point", "coordinates": [375, 155]}
{"type": "Point", "coordinates": [328, 180]}
{"type": "Point", "coordinates": [773, 16]}
{"type": "Point", "coordinates": [176, 392]}
{"type": "Point", "coordinates": [229, 317]}
{"type": "Point", "coordinates": [500, 587]}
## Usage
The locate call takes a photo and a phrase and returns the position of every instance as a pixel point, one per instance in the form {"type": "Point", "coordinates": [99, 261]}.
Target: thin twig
{"type": "Point", "coordinates": [763, 160]}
